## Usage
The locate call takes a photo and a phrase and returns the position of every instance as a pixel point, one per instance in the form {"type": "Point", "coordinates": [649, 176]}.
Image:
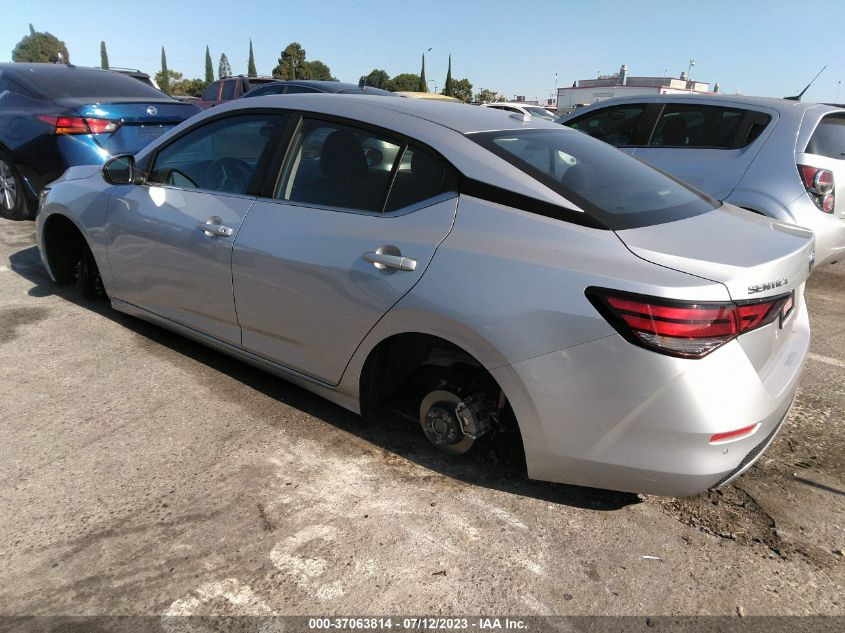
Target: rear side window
{"type": "Point", "coordinates": [829, 138]}
{"type": "Point", "coordinates": [611, 125]}
{"type": "Point", "coordinates": [693, 125]}
{"type": "Point", "coordinates": [619, 191]}
{"type": "Point", "coordinates": [220, 156]}
{"type": "Point", "coordinates": [299, 90]}
{"type": "Point", "coordinates": [336, 165]}
{"type": "Point", "coordinates": [228, 90]}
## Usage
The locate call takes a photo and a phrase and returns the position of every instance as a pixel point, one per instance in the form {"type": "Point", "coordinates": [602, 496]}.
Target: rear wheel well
{"type": "Point", "coordinates": [401, 370]}
{"type": "Point", "coordinates": [64, 247]}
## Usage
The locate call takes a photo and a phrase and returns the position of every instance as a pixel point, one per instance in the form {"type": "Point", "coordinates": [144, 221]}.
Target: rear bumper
{"type": "Point", "coordinates": [607, 414]}
{"type": "Point", "coordinates": [829, 230]}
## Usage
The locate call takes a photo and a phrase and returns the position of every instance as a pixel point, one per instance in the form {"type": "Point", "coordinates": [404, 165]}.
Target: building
{"type": "Point", "coordinates": [588, 91]}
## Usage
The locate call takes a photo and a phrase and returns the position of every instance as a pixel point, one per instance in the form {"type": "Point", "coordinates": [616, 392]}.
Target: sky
{"type": "Point", "coordinates": [767, 48]}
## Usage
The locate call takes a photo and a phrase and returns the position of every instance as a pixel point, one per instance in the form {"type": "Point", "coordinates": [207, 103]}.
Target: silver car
{"type": "Point", "coordinates": [492, 276]}
{"type": "Point", "coordinates": [776, 157]}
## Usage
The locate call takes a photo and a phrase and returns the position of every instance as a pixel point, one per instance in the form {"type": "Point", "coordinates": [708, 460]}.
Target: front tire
{"type": "Point", "coordinates": [14, 204]}
{"type": "Point", "coordinates": [88, 276]}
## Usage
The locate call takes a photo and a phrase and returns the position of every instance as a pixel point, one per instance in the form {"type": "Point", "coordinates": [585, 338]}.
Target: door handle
{"type": "Point", "coordinates": [384, 261]}
{"type": "Point", "coordinates": [214, 228]}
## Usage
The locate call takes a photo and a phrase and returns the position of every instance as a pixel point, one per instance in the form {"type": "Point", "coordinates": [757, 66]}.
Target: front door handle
{"type": "Point", "coordinates": [213, 227]}
{"type": "Point", "coordinates": [390, 260]}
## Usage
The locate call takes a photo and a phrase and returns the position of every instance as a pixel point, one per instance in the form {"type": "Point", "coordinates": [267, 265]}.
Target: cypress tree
{"type": "Point", "coordinates": [209, 68]}
{"type": "Point", "coordinates": [250, 65]}
{"type": "Point", "coordinates": [165, 74]}
{"type": "Point", "coordinates": [104, 56]}
{"type": "Point", "coordinates": [423, 84]}
{"type": "Point", "coordinates": [448, 89]}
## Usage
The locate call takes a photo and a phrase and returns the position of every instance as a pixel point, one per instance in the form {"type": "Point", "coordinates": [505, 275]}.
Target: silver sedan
{"type": "Point", "coordinates": [494, 276]}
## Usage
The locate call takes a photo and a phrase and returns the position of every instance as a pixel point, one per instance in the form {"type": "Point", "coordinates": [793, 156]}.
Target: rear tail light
{"type": "Point", "coordinates": [820, 185]}
{"type": "Point", "coordinates": [79, 125]}
{"type": "Point", "coordinates": [684, 329]}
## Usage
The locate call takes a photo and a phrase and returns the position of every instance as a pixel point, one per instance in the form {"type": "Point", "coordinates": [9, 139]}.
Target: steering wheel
{"type": "Point", "coordinates": [230, 174]}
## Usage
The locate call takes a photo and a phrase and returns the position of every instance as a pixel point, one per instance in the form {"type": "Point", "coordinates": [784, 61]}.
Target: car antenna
{"type": "Point", "coordinates": [801, 94]}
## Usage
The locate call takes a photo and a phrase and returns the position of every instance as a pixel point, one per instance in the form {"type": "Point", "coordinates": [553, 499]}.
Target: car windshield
{"type": "Point", "coordinates": [619, 191]}
{"type": "Point", "coordinates": [540, 113]}
{"type": "Point", "coordinates": [63, 82]}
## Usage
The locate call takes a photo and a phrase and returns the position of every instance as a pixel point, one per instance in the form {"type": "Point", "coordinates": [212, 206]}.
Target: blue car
{"type": "Point", "coordinates": [56, 116]}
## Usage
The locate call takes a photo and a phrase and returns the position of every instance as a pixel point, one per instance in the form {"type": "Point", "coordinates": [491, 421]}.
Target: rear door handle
{"type": "Point", "coordinates": [214, 228]}
{"type": "Point", "coordinates": [383, 261]}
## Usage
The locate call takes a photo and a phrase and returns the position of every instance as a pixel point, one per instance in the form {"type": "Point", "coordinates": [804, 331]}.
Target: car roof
{"type": "Point", "coordinates": [459, 117]}
{"type": "Point", "coordinates": [781, 105]}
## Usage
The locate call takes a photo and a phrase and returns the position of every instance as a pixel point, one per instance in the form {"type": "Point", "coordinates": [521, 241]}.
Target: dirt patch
{"type": "Point", "coordinates": [13, 318]}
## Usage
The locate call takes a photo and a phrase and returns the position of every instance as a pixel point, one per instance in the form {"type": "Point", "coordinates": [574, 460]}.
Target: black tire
{"type": "Point", "coordinates": [14, 200]}
{"type": "Point", "coordinates": [88, 276]}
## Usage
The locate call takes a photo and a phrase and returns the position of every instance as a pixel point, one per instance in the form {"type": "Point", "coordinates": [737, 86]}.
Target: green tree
{"type": "Point", "coordinates": [448, 87]}
{"type": "Point", "coordinates": [462, 89]}
{"type": "Point", "coordinates": [104, 56]}
{"type": "Point", "coordinates": [487, 96]}
{"type": "Point", "coordinates": [224, 69]}
{"type": "Point", "coordinates": [315, 69]}
{"type": "Point", "coordinates": [209, 67]}
{"type": "Point", "coordinates": [250, 65]}
{"type": "Point", "coordinates": [292, 57]}
{"type": "Point", "coordinates": [422, 86]}
{"type": "Point", "coordinates": [378, 79]}
{"type": "Point", "coordinates": [164, 83]}
{"type": "Point", "coordinates": [172, 80]}
{"type": "Point", "coordinates": [406, 82]}
{"type": "Point", "coordinates": [191, 87]}
{"type": "Point", "coordinates": [40, 47]}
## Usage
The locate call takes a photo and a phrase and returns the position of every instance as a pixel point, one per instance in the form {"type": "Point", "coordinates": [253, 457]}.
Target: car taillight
{"type": "Point", "coordinates": [820, 185]}
{"type": "Point", "coordinates": [683, 329]}
{"type": "Point", "coordinates": [79, 125]}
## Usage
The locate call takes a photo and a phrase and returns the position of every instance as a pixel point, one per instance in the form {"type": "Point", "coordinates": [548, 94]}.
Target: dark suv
{"type": "Point", "coordinates": [230, 88]}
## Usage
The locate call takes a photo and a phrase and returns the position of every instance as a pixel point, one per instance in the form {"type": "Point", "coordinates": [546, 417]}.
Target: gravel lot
{"type": "Point", "coordinates": [142, 473]}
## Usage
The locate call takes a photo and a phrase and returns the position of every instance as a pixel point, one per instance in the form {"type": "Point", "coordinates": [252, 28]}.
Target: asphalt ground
{"type": "Point", "coordinates": [142, 473]}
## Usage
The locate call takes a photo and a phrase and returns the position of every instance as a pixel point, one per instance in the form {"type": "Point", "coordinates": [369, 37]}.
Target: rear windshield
{"type": "Point", "coordinates": [829, 137]}
{"type": "Point", "coordinates": [63, 82]}
{"type": "Point", "coordinates": [619, 191]}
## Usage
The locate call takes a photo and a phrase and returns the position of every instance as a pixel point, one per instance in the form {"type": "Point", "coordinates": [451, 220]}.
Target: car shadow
{"type": "Point", "coordinates": [487, 468]}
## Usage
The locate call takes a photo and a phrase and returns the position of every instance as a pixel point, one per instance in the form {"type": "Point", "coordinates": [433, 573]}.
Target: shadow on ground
{"type": "Point", "coordinates": [404, 439]}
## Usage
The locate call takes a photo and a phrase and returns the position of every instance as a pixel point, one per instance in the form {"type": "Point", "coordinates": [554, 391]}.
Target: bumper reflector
{"type": "Point", "coordinates": [730, 436]}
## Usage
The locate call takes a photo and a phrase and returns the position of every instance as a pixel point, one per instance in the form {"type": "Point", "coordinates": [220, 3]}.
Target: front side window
{"type": "Point", "coordinates": [612, 125]}
{"type": "Point", "coordinates": [336, 165]}
{"type": "Point", "coordinates": [221, 156]}
{"type": "Point", "coordinates": [617, 190]}
{"type": "Point", "coordinates": [210, 93]}
{"type": "Point", "coordinates": [693, 125]}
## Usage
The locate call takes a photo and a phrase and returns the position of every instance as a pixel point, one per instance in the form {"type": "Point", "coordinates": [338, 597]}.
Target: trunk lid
{"type": "Point", "coordinates": [140, 122]}
{"type": "Point", "coordinates": [752, 255]}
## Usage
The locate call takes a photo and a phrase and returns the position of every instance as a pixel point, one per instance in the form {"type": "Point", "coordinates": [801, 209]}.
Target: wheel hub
{"type": "Point", "coordinates": [440, 423]}
{"type": "Point", "coordinates": [8, 189]}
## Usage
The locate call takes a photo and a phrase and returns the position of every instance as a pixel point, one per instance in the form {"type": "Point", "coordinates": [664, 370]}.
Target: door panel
{"type": "Point", "coordinates": [161, 262]}
{"type": "Point", "coordinates": [305, 294]}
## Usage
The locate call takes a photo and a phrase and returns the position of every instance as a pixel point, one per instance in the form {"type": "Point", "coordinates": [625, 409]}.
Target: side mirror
{"type": "Point", "coordinates": [120, 170]}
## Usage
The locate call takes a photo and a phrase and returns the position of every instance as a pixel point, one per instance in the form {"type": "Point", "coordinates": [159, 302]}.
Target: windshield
{"type": "Point", "coordinates": [619, 191]}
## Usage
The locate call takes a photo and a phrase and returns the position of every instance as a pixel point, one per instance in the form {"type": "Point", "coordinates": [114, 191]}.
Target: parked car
{"type": "Point", "coordinates": [230, 88]}
{"type": "Point", "coordinates": [54, 116]}
{"type": "Point", "coordinates": [433, 96]}
{"type": "Point", "coordinates": [490, 277]}
{"type": "Point", "coordinates": [136, 74]}
{"type": "Point", "coordinates": [521, 108]}
{"type": "Point", "coordinates": [305, 86]}
{"type": "Point", "coordinates": [777, 157]}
